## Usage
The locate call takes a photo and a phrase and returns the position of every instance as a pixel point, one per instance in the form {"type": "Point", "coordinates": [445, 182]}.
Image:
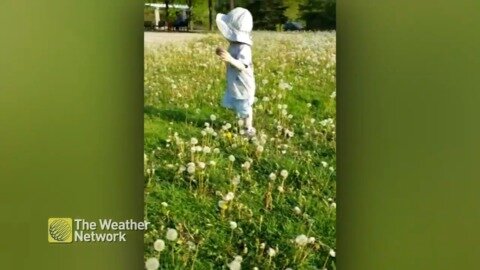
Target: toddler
{"type": "Point", "coordinates": [236, 27]}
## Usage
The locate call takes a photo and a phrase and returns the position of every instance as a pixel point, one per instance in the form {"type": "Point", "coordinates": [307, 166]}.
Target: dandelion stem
{"type": "Point", "coordinates": [325, 263]}
{"type": "Point", "coordinates": [173, 256]}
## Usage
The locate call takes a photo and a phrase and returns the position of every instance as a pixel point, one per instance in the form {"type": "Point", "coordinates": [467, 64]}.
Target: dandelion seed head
{"type": "Point", "coordinates": [236, 180]}
{"type": "Point", "coordinates": [301, 240]}
{"type": "Point", "coordinates": [206, 150]}
{"type": "Point", "coordinates": [152, 264]}
{"type": "Point", "coordinates": [159, 245]}
{"type": "Point", "coordinates": [260, 149]}
{"type": "Point", "coordinates": [191, 245]}
{"type": "Point", "coordinates": [191, 169]}
{"type": "Point", "coordinates": [238, 258]}
{"type": "Point", "coordinates": [233, 225]}
{"type": "Point", "coordinates": [230, 195]}
{"type": "Point", "coordinates": [332, 253]}
{"type": "Point", "coordinates": [172, 234]}
{"type": "Point", "coordinates": [235, 265]}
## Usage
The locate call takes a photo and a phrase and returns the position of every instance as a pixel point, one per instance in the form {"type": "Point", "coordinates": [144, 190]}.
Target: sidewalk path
{"type": "Point", "coordinates": [160, 38]}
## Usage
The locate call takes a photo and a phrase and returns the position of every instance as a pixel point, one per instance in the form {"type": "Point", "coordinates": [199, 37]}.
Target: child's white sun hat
{"type": "Point", "coordinates": [236, 25]}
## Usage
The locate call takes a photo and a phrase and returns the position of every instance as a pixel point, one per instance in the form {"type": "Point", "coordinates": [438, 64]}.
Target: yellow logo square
{"type": "Point", "coordinates": [60, 230]}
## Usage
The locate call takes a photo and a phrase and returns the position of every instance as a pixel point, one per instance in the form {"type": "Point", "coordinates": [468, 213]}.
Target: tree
{"type": "Point", "coordinates": [292, 11]}
{"type": "Point", "coordinates": [210, 20]}
{"type": "Point", "coordinates": [267, 14]}
{"type": "Point", "coordinates": [319, 14]}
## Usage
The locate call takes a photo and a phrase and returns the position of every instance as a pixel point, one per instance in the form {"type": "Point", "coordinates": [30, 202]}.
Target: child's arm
{"type": "Point", "coordinates": [225, 56]}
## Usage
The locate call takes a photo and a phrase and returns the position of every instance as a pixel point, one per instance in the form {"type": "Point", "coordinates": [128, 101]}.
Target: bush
{"type": "Point", "coordinates": [319, 14]}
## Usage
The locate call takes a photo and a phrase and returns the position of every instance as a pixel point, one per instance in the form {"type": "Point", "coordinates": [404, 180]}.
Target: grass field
{"type": "Point", "coordinates": [219, 201]}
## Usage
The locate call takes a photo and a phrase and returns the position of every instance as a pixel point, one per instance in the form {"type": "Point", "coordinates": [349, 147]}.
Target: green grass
{"type": "Point", "coordinates": [184, 84]}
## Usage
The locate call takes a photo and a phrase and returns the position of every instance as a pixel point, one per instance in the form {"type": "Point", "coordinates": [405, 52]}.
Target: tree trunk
{"type": "Point", "coordinates": [210, 26]}
{"type": "Point", "coordinates": [190, 14]}
{"type": "Point", "coordinates": [166, 10]}
{"type": "Point", "coordinates": [232, 4]}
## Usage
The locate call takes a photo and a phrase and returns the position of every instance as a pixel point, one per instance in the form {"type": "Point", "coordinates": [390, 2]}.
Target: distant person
{"type": "Point", "coordinates": [236, 27]}
{"type": "Point", "coordinates": [179, 21]}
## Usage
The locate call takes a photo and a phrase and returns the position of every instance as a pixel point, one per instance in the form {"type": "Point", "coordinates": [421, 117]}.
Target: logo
{"type": "Point", "coordinates": [60, 230]}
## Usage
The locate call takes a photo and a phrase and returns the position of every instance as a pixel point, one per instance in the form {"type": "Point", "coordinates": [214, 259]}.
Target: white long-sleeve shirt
{"type": "Point", "coordinates": [241, 81]}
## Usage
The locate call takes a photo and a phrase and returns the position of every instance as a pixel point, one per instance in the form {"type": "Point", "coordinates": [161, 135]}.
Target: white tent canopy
{"type": "Point", "coordinates": [158, 6]}
{"type": "Point", "coordinates": [163, 6]}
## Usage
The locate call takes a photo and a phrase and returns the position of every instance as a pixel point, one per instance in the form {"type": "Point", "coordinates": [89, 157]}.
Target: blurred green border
{"type": "Point", "coordinates": [71, 141]}
{"type": "Point", "coordinates": [408, 148]}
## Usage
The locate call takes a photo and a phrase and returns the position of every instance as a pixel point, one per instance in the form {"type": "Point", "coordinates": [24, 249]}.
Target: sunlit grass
{"type": "Point", "coordinates": [267, 203]}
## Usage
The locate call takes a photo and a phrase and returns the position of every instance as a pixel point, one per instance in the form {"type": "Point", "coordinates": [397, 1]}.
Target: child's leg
{"type": "Point", "coordinates": [249, 122]}
{"type": "Point", "coordinates": [245, 112]}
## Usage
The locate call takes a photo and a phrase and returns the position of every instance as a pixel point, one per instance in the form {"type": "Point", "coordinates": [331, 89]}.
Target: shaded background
{"type": "Point", "coordinates": [267, 15]}
{"type": "Point", "coordinates": [71, 136]}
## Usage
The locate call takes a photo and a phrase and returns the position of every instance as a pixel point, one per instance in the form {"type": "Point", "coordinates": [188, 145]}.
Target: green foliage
{"type": "Point", "coordinates": [293, 12]}
{"type": "Point", "coordinates": [266, 14]}
{"type": "Point", "coordinates": [199, 12]}
{"type": "Point", "coordinates": [319, 14]}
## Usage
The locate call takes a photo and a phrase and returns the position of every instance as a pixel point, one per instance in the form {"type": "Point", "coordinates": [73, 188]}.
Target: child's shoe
{"type": "Point", "coordinates": [251, 132]}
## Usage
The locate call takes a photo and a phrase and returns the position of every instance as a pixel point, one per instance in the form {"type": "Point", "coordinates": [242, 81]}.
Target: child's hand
{"type": "Point", "coordinates": [224, 55]}
{"type": "Point", "coordinates": [219, 50]}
